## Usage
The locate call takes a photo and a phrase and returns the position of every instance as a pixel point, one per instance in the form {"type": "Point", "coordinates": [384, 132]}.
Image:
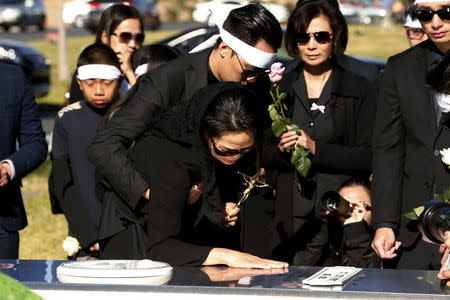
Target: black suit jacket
{"type": "Point", "coordinates": [407, 169]}
{"type": "Point", "coordinates": [166, 85]}
{"type": "Point", "coordinates": [19, 122]}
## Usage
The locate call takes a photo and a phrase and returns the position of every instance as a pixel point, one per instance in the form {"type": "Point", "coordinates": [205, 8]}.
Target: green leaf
{"type": "Point", "coordinates": [411, 215]}
{"type": "Point", "coordinates": [303, 164]}
{"type": "Point", "coordinates": [303, 151]}
{"type": "Point", "coordinates": [282, 96]}
{"type": "Point", "coordinates": [273, 112]}
{"type": "Point", "coordinates": [295, 157]}
{"type": "Point", "coordinates": [444, 196]}
{"type": "Point", "coordinates": [418, 210]}
{"type": "Point", "coordinates": [278, 126]}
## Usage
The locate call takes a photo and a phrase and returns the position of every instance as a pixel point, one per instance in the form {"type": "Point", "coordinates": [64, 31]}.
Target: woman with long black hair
{"type": "Point", "coordinates": [207, 140]}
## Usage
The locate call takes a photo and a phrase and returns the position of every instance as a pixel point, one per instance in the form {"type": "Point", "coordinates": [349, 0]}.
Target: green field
{"type": "Point", "coordinates": [43, 237]}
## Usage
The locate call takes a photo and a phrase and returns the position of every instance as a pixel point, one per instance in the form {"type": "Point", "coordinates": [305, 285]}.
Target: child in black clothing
{"type": "Point", "coordinates": [338, 240]}
{"type": "Point", "coordinates": [72, 179]}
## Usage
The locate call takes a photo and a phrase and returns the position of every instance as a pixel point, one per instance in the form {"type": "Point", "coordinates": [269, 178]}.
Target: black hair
{"type": "Point", "coordinates": [113, 16]}
{"type": "Point", "coordinates": [410, 10]}
{"type": "Point", "coordinates": [439, 76]}
{"type": "Point", "coordinates": [251, 23]}
{"type": "Point", "coordinates": [98, 54]}
{"type": "Point", "coordinates": [233, 110]}
{"type": "Point", "coordinates": [304, 12]}
{"type": "Point", "coordinates": [154, 55]}
{"type": "Point", "coordinates": [357, 181]}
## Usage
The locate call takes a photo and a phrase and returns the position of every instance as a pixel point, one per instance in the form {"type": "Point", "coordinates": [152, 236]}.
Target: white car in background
{"type": "Point", "coordinates": [221, 8]}
{"type": "Point", "coordinates": [75, 12]}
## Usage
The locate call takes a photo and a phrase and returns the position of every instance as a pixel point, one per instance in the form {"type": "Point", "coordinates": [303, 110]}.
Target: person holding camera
{"type": "Point", "coordinates": [343, 236]}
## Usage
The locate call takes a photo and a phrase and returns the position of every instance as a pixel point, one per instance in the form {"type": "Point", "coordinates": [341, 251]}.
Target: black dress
{"type": "Point", "coordinates": [342, 134]}
{"type": "Point", "coordinates": [172, 158]}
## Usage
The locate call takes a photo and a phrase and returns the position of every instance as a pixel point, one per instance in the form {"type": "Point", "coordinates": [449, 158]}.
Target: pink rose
{"type": "Point", "coordinates": [276, 72]}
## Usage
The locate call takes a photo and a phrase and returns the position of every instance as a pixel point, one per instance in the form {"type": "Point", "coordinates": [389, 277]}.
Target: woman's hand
{"type": "Point", "coordinates": [194, 193]}
{"type": "Point", "coordinates": [287, 139]}
{"type": "Point", "coordinates": [358, 213]}
{"type": "Point", "coordinates": [305, 141]}
{"type": "Point", "coordinates": [125, 63]}
{"type": "Point", "coordinates": [232, 274]}
{"type": "Point", "coordinates": [95, 247]}
{"type": "Point", "coordinates": [231, 213]}
{"type": "Point", "coordinates": [236, 259]}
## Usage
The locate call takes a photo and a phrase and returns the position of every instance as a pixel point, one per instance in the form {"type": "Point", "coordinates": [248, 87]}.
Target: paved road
{"type": "Point", "coordinates": [33, 34]}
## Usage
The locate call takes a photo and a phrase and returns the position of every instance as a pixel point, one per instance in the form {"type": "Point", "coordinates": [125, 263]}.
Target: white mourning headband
{"type": "Point", "coordinates": [443, 101]}
{"type": "Point", "coordinates": [412, 23]}
{"type": "Point", "coordinates": [252, 55]}
{"type": "Point", "coordinates": [99, 71]}
{"type": "Point", "coordinates": [141, 70]}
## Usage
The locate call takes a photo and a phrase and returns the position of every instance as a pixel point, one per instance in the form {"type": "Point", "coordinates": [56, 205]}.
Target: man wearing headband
{"type": "Point", "coordinates": [20, 124]}
{"type": "Point", "coordinates": [72, 179]}
{"type": "Point", "coordinates": [254, 35]}
{"type": "Point", "coordinates": [407, 167]}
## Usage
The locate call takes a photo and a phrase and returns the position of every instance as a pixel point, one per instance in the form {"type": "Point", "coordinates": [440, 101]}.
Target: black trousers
{"type": "Point", "coordinates": [9, 244]}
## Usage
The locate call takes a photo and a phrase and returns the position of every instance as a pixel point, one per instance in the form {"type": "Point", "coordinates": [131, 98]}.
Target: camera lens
{"type": "Point", "coordinates": [333, 202]}
{"type": "Point", "coordinates": [435, 220]}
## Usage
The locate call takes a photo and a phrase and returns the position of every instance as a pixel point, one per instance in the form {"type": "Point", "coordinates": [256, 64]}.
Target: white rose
{"type": "Point", "coordinates": [445, 156]}
{"type": "Point", "coordinates": [71, 246]}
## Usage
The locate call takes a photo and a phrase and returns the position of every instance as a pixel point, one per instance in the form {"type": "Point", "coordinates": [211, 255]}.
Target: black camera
{"type": "Point", "coordinates": [434, 221]}
{"type": "Point", "coordinates": [333, 202]}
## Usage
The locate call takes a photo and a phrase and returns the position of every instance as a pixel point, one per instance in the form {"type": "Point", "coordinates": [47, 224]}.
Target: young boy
{"type": "Point", "coordinates": [72, 179]}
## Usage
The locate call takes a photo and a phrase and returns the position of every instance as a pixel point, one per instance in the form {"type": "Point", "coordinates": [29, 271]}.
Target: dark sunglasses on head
{"type": "Point", "coordinates": [251, 73]}
{"type": "Point", "coordinates": [230, 152]}
{"type": "Point", "coordinates": [426, 15]}
{"type": "Point", "coordinates": [321, 37]}
{"type": "Point", "coordinates": [126, 37]}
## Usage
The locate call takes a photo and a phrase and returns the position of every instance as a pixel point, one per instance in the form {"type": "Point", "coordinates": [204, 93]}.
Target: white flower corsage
{"type": "Point", "coordinates": [71, 246]}
{"type": "Point", "coordinates": [445, 156]}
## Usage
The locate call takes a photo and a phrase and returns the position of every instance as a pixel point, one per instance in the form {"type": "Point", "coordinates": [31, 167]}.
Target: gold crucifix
{"type": "Point", "coordinates": [251, 182]}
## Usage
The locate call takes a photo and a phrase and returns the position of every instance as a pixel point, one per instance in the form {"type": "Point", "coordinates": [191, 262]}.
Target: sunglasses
{"type": "Point", "coordinates": [126, 37]}
{"type": "Point", "coordinates": [426, 15]}
{"type": "Point", "coordinates": [414, 33]}
{"type": "Point", "coordinates": [251, 73]}
{"type": "Point", "coordinates": [230, 152]}
{"type": "Point", "coordinates": [322, 37]}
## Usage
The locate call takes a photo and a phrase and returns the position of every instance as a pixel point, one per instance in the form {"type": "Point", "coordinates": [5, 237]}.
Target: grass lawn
{"type": "Point", "coordinates": [43, 237]}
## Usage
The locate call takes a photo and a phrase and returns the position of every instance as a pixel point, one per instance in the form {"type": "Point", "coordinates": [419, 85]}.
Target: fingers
{"type": "Point", "coordinates": [231, 213]}
{"type": "Point", "coordinates": [384, 243]}
{"type": "Point", "coordinates": [276, 264]}
{"type": "Point", "coordinates": [94, 247]}
{"type": "Point", "coordinates": [194, 193]}
{"type": "Point", "coordinates": [447, 239]}
{"type": "Point", "coordinates": [390, 253]}
{"type": "Point", "coordinates": [4, 175]}
{"type": "Point", "coordinates": [287, 139]}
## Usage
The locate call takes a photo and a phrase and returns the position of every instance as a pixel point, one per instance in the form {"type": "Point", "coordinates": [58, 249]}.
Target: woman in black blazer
{"type": "Point", "coordinates": [206, 140]}
{"type": "Point", "coordinates": [335, 110]}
